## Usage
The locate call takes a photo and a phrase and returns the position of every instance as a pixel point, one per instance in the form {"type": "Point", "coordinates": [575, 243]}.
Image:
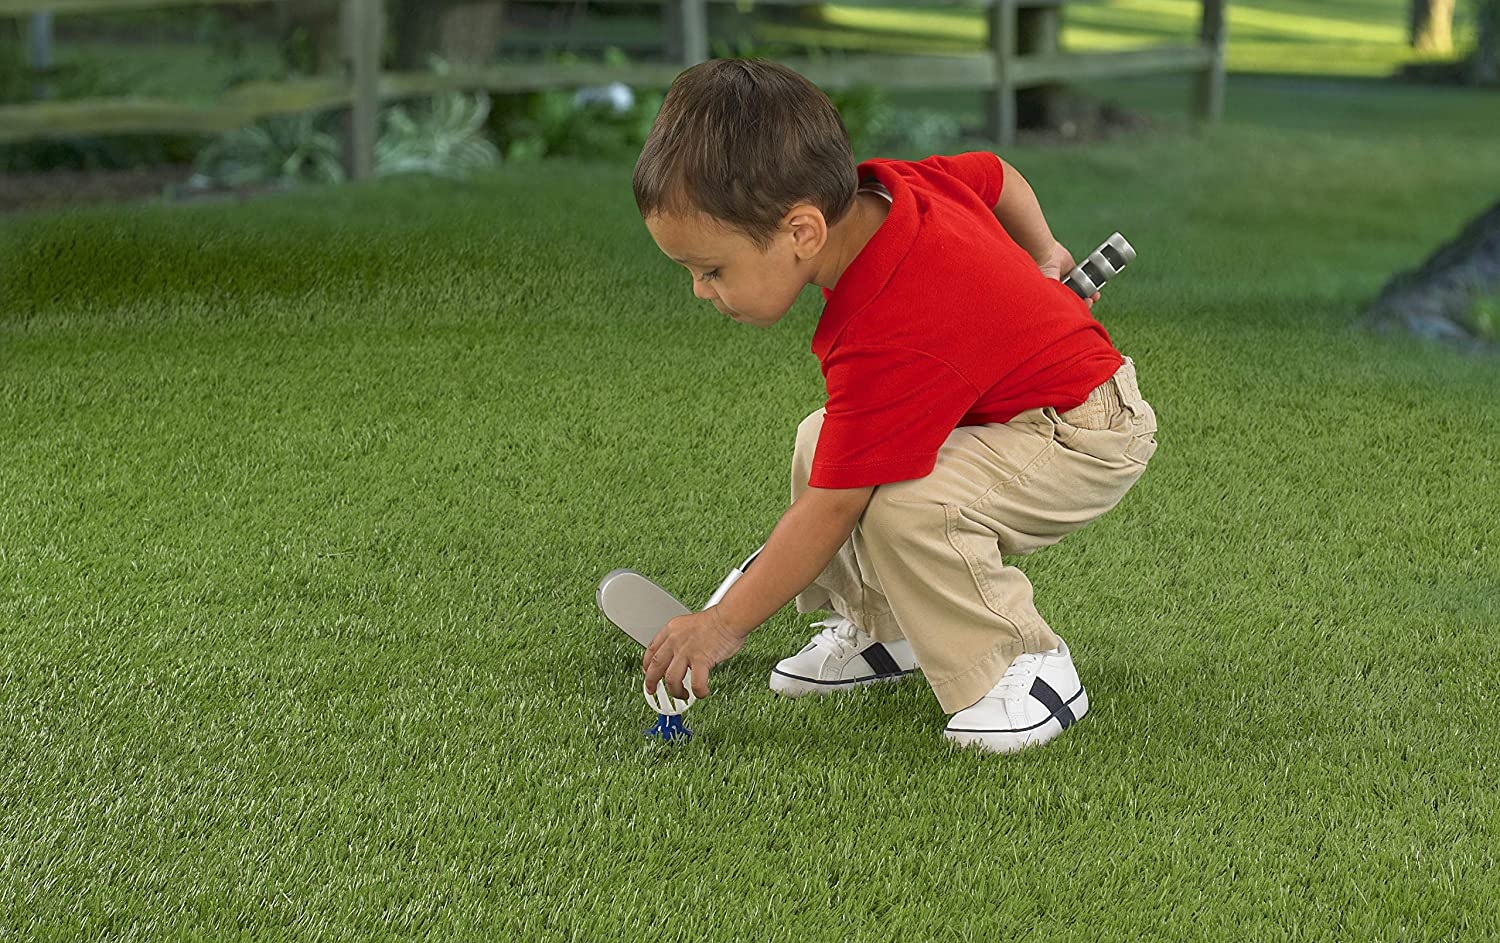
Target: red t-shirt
{"type": "Point", "coordinates": [943, 321]}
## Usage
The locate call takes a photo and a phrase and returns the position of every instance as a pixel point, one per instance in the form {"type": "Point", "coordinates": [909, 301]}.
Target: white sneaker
{"type": "Point", "coordinates": [839, 658]}
{"type": "Point", "coordinates": [1039, 697]}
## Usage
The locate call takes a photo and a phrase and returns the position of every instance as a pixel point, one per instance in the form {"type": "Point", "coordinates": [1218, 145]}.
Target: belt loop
{"type": "Point", "coordinates": [1107, 395]}
{"type": "Point", "coordinates": [1127, 388]}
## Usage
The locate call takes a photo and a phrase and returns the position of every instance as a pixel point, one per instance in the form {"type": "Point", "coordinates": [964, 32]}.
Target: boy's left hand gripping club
{"type": "Point", "coordinates": [1101, 265]}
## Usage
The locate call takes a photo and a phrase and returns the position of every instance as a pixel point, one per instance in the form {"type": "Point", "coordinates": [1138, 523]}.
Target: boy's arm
{"type": "Point", "coordinates": [800, 547]}
{"type": "Point", "coordinates": [1021, 215]}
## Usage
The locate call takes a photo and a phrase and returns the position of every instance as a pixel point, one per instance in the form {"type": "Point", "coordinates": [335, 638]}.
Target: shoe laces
{"type": "Point", "coordinates": [839, 636]}
{"type": "Point", "coordinates": [1016, 683]}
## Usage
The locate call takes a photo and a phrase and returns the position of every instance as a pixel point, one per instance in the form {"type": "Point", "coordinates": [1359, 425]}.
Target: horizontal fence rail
{"type": "Point", "coordinates": [1023, 54]}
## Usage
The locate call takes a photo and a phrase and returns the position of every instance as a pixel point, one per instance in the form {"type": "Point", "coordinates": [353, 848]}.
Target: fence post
{"type": "Point", "coordinates": [691, 23]}
{"type": "Point", "coordinates": [40, 53]}
{"type": "Point", "coordinates": [1002, 98]}
{"type": "Point", "coordinates": [360, 28]}
{"type": "Point", "coordinates": [1038, 33]}
{"type": "Point", "coordinates": [671, 23]}
{"type": "Point", "coordinates": [1209, 91]}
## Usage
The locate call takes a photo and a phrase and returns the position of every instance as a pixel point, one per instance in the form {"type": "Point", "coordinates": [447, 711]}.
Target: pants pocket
{"type": "Point", "coordinates": [1129, 438]}
{"type": "Point", "coordinates": [979, 547]}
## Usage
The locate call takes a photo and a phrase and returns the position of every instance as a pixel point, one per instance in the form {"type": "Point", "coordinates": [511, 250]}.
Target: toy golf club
{"type": "Point", "coordinates": [636, 605]}
{"type": "Point", "coordinates": [640, 608]}
{"type": "Point", "coordinates": [1101, 265]}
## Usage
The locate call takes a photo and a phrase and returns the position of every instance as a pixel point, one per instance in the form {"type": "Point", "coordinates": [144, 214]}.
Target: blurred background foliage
{"type": "Point", "coordinates": [195, 54]}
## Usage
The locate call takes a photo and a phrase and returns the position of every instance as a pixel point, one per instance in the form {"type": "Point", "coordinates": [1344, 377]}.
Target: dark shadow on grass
{"type": "Point", "coordinates": [96, 264]}
{"type": "Point", "coordinates": [101, 262]}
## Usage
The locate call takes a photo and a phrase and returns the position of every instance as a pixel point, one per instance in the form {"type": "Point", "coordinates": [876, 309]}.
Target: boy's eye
{"type": "Point", "coordinates": [710, 276]}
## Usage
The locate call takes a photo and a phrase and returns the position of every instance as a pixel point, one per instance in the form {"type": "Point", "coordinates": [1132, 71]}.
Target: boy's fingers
{"type": "Point", "coordinates": [700, 680]}
{"type": "Point", "coordinates": [655, 663]}
{"type": "Point", "coordinates": [674, 674]}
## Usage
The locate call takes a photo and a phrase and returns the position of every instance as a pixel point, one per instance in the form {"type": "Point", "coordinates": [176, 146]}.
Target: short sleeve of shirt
{"type": "Point", "coordinates": [889, 411]}
{"type": "Point", "coordinates": [981, 171]}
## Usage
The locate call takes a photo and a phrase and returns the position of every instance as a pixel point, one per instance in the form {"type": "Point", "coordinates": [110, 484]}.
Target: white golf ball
{"type": "Point", "coordinates": [664, 703]}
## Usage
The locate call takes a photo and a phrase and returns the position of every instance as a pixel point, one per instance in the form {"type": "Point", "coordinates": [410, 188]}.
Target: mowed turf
{"type": "Point", "coordinates": [303, 504]}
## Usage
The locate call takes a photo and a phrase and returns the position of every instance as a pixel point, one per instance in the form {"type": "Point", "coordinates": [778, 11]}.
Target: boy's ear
{"type": "Point", "coordinates": [808, 228]}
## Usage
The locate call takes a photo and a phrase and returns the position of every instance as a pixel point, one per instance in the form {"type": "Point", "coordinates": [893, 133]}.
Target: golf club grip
{"type": "Point", "coordinates": [731, 579]}
{"type": "Point", "coordinates": [1101, 265]}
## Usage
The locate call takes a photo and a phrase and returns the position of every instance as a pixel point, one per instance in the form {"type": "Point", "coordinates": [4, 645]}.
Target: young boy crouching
{"type": "Point", "coordinates": [976, 410]}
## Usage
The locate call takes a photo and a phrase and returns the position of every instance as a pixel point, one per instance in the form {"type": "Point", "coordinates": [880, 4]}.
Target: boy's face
{"type": "Point", "coordinates": [742, 282]}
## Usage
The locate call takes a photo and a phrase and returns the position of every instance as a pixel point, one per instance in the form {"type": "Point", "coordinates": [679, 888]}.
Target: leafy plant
{"type": "Point", "coordinates": [555, 124]}
{"type": "Point", "coordinates": [282, 149]}
{"type": "Point", "coordinates": [79, 77]}
{"type": "Point", "coordinates": [875, 125]}
{"type": "Point", "coordinates": [447, 140]}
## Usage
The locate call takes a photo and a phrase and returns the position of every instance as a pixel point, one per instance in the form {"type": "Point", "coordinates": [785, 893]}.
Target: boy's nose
{"type": "Point", "coordinates": [701, 290]}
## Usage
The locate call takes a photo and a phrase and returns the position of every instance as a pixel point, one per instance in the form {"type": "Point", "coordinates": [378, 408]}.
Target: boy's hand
{"type": "Point", "coordinates": [698, 640]}
{"type": "Point", "coordinates": [1058, 264]}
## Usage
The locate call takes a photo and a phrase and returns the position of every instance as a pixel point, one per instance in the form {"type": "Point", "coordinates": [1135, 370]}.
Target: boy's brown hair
{"type": "Point", "coordinates": [743, 141]}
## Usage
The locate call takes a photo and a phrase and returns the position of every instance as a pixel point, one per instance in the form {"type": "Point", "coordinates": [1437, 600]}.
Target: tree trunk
{"type": "Point", "coordinates": [1431, 26]}
{"type": "Point", "coordinates": [1437, 299]}
{"type": "Point", "coordinates": [463, 32]}
{"type": "Point", "coordinates": [310, 35]}
{"type": "Point", "coordinates": [469, 33]}
{"type": "Point", "coordinates": [1486, 65]}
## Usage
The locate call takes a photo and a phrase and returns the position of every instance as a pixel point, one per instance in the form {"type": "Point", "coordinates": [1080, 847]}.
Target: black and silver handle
{"type": "Point", "coordinates": [1101, 265]}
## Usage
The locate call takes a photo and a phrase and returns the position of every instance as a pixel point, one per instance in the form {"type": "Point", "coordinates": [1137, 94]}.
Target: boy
{"type": "Point", "coordinates": [976, 410]}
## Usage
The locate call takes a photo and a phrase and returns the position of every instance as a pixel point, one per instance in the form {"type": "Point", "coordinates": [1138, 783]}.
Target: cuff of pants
{"type": "Point", "coordinates": [966, 688]}
{"type": "Point", "coordinates": [879, 623]}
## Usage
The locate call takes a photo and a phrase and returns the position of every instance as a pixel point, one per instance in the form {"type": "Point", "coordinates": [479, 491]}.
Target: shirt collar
{"type": "Point", "coordinates": [873, 267]}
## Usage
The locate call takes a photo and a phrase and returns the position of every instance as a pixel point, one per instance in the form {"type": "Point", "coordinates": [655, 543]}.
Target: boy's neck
{"type": "Point", "coordinates": [847, 237]}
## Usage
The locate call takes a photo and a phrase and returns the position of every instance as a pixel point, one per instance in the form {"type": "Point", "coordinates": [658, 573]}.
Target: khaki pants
{"type": "Point", "coordinates": [928, 559]}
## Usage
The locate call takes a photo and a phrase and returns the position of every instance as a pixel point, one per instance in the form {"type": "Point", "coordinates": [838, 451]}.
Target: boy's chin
{"type": "Point", "coordinates": [755, 320]}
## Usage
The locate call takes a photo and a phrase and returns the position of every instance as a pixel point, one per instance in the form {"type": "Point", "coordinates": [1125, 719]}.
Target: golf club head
{"type": "Point", "coordinates": [636, 605]}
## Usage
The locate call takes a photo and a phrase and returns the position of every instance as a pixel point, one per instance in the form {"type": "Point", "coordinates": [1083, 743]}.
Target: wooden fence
{"type": "Point", "coordinates": [1023, 53]}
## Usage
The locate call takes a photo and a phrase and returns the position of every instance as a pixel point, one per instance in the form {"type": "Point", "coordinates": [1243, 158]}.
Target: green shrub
{"type": "Point", "coordinates": [276, 150]}
{"type": "Point", "coordinates": [80, 79]}
{"type": "Point", "coordinates": [877, 127]}
{"type": "Point", "coordinates": [1484, 318]}
{"type": "Point", "coordinates": [446, 139]}
{"type": "Point", "coordinates": [443, 138]}
{"type": "Point", "coordinates": [534, 125]}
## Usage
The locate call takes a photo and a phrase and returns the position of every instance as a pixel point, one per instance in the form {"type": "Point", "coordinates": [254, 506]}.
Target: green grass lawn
{"type": "Point", "coordinates": [303, 504]}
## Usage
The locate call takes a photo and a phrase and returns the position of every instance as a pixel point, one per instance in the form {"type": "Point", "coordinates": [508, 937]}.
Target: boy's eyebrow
{"type": "Point", "coordinates": [692, 259]}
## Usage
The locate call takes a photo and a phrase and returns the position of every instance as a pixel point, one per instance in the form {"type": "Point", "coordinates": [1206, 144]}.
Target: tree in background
{"type": "Point", "coordinates": [1430, 26]}
{"type": "Point", "coordinates": [463, 32]}
{"type": "Point", "coordinates": [459, 31]}
{"type": "Point", "coordinates": [1431, 31]}
{"type": "Point", "coordinates": [1455, 294]}
{"type": "Point", "coordinates": [1485, 67]}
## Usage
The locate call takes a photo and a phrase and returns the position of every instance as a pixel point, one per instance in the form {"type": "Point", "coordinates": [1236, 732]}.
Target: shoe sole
{"type": "Point", "coordinates": [792, 686]}
{"type": "Point", "coordinates": [1011, 741]}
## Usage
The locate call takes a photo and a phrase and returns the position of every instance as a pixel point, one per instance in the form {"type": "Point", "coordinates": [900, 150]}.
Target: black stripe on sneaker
{"type": "Point", "coordinates": [1043, 692]}
{"type": "Point", "coordinates": [880, 660]}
